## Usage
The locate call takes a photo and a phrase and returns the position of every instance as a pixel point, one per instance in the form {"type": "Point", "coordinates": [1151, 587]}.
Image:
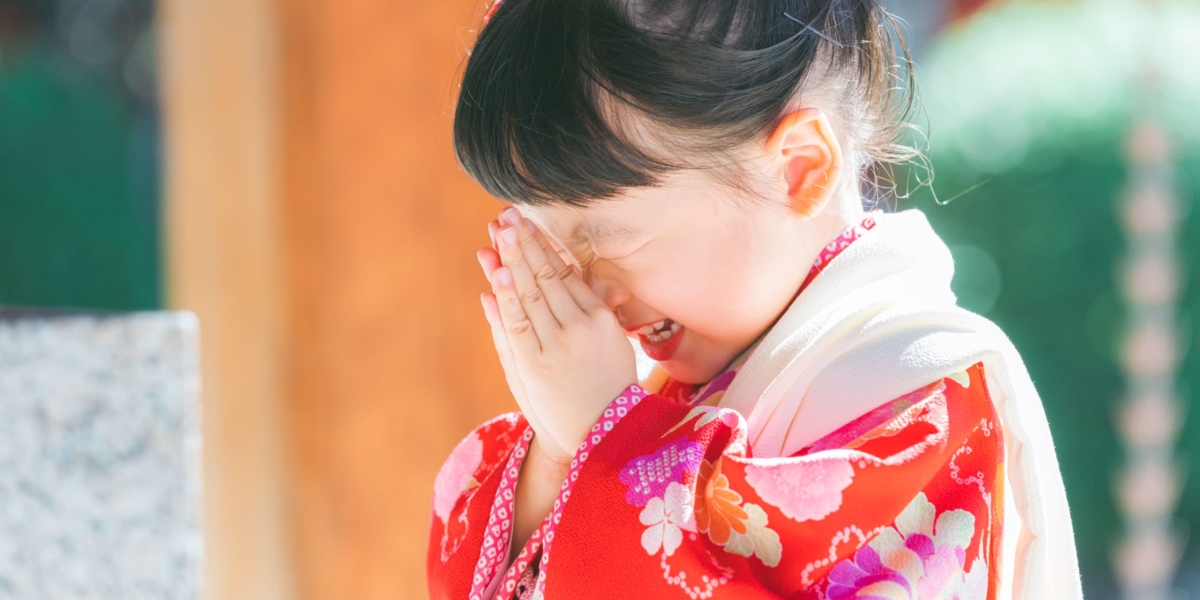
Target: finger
{"type": "Point", "coordinates": [489, 260]}
{"type": "Point", "coordinates": [493, 227]}
{"type": "Point", "coordinates": [491, 311]}
{"type": "Point", "coordinates": [499, 337]}
{"type": "Point", "coordinates": [509, 216]}
{"type": "Point", "coordinates": [503, 220]}
{"type": "Point", "coordinates": [585, 297]}
{"type": "Point", "coordinates": [521, 333]}
{"type": "Point", "coordinates": [531, 296]}
{"type": "Point", "coordinates": [503, 350]}
{"type": "Point", "coordinates": [583, 294]}
{"type": "Point", "coordinates": [549, 277]}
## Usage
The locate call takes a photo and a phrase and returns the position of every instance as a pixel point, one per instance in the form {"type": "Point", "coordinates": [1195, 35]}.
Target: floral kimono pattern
{"type": "Point", "coordinates": [665, 499]}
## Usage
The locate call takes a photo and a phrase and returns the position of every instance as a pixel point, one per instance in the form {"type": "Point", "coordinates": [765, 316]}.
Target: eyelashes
{"type": "Point", "coordinates": [588, 262]}
{"type": "Point", "coordinates": [570, 260]}
{"type": "Point", "coordinates": [628, 256]}
{"type": "Point", "coordinates": [616, 260]}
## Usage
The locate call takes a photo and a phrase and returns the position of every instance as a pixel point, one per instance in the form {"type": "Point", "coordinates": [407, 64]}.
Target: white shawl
{"type": "Point", "coordinates": [881, 321]}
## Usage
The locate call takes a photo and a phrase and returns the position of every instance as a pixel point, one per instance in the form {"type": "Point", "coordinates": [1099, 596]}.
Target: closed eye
{"type": "Point", "coordinates": [617, 258]}
{"type": "Point", "coordinates": [624, 257]}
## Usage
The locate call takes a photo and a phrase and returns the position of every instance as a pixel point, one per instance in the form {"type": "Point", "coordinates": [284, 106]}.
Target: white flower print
{"type": "Point", "coordinates": [758, 539]}
{"type": "Point", "coordinates": [667, 518]}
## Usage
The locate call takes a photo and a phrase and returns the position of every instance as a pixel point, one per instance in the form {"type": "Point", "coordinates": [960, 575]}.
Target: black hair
{"type": "Point", "coordinates": [538, 119]}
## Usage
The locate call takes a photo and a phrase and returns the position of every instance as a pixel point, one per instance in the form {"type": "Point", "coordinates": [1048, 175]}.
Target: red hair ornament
{"type": "Point", "coordinates": [491, 11]}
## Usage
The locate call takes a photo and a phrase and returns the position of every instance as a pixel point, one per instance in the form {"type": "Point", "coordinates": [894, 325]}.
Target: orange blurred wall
{"type": "Point", "coordinates": [319, 226]}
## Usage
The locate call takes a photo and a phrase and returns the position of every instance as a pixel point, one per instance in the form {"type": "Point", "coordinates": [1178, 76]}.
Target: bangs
{"type": "Point", "coordinates": [574, 101]}
{"type": "Point", "coordinates": [534, 124]}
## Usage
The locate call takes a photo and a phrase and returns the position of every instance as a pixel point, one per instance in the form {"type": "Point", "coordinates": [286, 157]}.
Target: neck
{"type": "Point", "coordinates": [843, 210]}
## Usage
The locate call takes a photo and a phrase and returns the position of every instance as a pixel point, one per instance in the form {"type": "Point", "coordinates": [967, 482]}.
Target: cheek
{"type": "Point", "coordinates": [705, 289]}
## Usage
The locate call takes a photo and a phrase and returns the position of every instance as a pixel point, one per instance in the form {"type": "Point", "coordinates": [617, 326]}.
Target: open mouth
{"type": "Point", "coordinates": [660, 331]}
{"type": "Point", "coordinates": [659, 340]}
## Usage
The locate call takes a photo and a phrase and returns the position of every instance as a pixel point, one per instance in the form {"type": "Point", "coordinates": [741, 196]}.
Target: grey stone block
{"type": "Point", "coordinates": [99, 456]}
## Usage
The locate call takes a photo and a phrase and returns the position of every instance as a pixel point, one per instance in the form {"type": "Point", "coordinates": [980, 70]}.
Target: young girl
{"type": "Point", "coordinates": [822, 420]}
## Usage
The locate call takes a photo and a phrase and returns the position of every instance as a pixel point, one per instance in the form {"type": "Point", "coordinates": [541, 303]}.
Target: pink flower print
{"type": "Point", "coordinates": [457, 475]}
{"type": "Point", "coordinates": [803, 490]}
{"type": "Point", "coordinates": [917, 559]}
{"type": "Point", "coordinates": [667, 517]}
{"type": "Point", "coordinates": [649, 475]}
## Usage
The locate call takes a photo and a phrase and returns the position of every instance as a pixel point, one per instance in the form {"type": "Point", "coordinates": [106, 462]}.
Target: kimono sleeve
{"type": "Point", "coordinates": [902, 502]}
{"type": "Point", "coordinates": [468, 485]}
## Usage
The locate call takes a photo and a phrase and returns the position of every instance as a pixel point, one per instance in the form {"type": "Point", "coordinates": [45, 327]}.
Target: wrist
{"type": "Point", "coordinates": [541, 479]}
{"type": "Point", "coordinates": [543, 461]}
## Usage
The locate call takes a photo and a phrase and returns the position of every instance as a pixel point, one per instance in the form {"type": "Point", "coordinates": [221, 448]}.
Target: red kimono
{"type": "Point", "coordinates": [665, 499]}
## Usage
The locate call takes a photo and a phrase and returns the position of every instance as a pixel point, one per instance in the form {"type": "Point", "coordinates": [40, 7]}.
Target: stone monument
{"type": "Point", "coordinates": [99, 456]}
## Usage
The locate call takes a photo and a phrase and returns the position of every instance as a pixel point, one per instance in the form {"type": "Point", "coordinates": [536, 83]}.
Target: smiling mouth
{"type": "Point", "coordinates": [659, 332]}
{"type": "Point", "coordinates": [660, 340]}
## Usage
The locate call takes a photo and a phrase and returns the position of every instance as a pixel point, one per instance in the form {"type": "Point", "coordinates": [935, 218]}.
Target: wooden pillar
{"type": "Point", "coordinates": [219, 89]}
{"type": "Point", "coordinates": [324, 233]}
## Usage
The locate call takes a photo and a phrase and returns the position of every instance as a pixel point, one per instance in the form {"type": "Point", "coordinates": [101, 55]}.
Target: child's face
{"type": "Point", "coordinates": [689, 254]}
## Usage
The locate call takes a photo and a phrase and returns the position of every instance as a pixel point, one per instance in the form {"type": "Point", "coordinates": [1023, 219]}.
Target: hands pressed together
{"type": "Point", "coordinates": [564, 353]}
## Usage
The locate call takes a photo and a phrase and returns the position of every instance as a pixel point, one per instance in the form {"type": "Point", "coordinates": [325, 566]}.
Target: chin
{"type": "Point", "coordinates": [686, 372]}
{"type": "Point", "coordinates": [686, 365]}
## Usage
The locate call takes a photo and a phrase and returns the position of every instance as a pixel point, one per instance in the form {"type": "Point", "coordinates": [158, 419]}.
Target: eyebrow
{"type": "Point", "coordinates": [601, 232]}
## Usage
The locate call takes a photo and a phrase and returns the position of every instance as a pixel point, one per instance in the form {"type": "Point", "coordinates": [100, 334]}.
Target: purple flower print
{"type": "Point", "coordinates": [850, 577]}
{"type": "Point", "coordinates": [923, 557]}
{"type": "Point", "coordinates": [720, 384]}
{"type": "Point", "coordinates": [649, 475]}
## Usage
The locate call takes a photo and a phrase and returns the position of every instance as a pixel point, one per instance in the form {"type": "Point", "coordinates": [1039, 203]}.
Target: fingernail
{"type": "Point", "coordinates": [529, 226]}
{"type": "Point", "coordinates": [503, 276]}
{"type": "Point", "coordinates": [509, 235]}
{"type": "Point", "coordinates": [512, 215]}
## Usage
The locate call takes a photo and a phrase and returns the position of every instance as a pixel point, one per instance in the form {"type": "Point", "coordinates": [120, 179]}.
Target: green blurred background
{"type": "Point", "coordinates": [79, 152]}
{"type": "Point", "coordinates": [1035, 105]}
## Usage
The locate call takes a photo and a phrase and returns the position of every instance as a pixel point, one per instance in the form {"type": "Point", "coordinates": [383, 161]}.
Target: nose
{"type": "Point", "coordinates": [611, 291]}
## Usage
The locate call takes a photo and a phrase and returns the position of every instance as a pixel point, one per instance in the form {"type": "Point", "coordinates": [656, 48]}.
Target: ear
{"type": "Point", "coordinates": [806, 157]}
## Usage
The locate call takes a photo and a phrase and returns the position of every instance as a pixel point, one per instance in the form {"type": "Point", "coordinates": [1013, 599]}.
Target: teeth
{"type": "Point", "coordinates": [646, 330]}
{"type": "Point", "coordinates": [659, 324]}
{"type": "Point", "coordinates": [661, 336]}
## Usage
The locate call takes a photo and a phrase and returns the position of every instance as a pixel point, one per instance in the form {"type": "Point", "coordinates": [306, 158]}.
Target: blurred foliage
{"type": "Point", "coordinates": [79, 218]}
{"type": "Point", "coordinates": [1030, 106]}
